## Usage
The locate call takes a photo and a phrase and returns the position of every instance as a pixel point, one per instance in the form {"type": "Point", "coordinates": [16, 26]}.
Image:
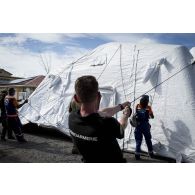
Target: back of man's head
{"type": "Point", "coordinates": [86, 88]}
{"type": "Point", "coordinates": [11, 91]}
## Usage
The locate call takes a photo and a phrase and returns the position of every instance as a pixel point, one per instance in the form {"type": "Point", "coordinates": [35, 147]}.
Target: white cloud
{"type": "Point", "coordinates": [19, 62]}
{"type": "Point", "coordinates": [70, 38]}
{"type": "Point", "coordinates": [125, 37]}
{"type": "Point", "coordinates": [42, 37]}
{"type": "Point", "coordinates": [12, 40]}
{"type": "Point", "coordinates": [23, 63]}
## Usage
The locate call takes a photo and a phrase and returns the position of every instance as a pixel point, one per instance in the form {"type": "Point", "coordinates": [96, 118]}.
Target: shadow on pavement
{"type": "Point", "coordinates": [46, 132]}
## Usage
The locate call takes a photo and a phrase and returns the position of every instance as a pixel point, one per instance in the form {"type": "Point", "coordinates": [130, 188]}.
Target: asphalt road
{"type": "Point", "coordinates": [50, 146]}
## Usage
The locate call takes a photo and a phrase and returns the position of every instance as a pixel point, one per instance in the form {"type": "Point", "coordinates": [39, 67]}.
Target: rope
{"type": "Point", "coordinates": [38, 113]}
{"type": "Point", "coordinates": [162, 82]}
{"type": "Point", "coordinates": [134, 85]}
{"type": "Point", "coordinates": [131, 76]}
{"type": "Point", "coordinates": [122, 72]}
{"type": "Point", "coordinates": [72, 67]}
{"type": "Point", "coordinates": [156, 87]}
{"type": "Point", "coordinates": [134, 93]}
{"type": "Point", "coordinates": [49, 81]}
{"type": "Point", "coordinates": [159, 85]}
{"type": "Point", "coordinates": [123, 86]}
{"type": "Point", "coordinates": [88, 55]}
{"type": "Point", "coordinates": [59, 74]}
{"type": "Point", "coordinates": [108, 63]}
{"type": "Point", "coordinates": [135, 78]}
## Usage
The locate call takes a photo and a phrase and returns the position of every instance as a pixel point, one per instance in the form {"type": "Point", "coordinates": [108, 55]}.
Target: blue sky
{"type": "Point", "coordinates": [20, 53]}
{"type": "Point", "coordinates": [62, 42]}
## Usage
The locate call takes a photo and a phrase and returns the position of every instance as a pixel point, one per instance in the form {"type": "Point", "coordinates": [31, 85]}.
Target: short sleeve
{"type": "Point", "coordinates": [113, 128]}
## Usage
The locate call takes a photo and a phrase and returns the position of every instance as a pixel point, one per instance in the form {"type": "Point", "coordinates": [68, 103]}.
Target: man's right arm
{"type": "Point", "coordinates": [115, 127]}
{"type": "Point", "coordinates": [111, 111]}
{"type": "Point", "coordinates": [124, 119]}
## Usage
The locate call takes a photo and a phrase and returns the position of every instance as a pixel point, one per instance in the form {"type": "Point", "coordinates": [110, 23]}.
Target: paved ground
{"type": "Point", "coordinates": [49, 146]}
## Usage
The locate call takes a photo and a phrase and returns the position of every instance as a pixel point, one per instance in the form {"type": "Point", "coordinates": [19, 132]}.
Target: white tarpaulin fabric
{"type": "Point", "coordinates": [192, 51]}
{"type": "Point", "coordinates": [124, 72]}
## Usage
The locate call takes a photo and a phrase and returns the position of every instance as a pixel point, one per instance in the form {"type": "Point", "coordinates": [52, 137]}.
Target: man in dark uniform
{"type": "Point", "coordinates": [11, 106]}
{"type": "Point", "coordinates": [94, 132]}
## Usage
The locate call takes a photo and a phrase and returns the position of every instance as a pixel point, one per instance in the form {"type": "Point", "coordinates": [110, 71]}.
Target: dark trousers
{"type": "Point", "coordinates": [140, 131]}
{"type": "Point", "coordinates": [15, 125]}
{"type": "Point", "coordinates": [5, 129]}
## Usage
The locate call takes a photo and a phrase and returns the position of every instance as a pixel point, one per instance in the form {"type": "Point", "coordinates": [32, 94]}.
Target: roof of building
{"type": "Point", "coordinates": [19, 81]}
{"type": "Point", "coordinates": [35, 81]}
{"type": "Point", "coordinates": [2, 71]}
{"type": "Point", "coordinates": [31, 81]}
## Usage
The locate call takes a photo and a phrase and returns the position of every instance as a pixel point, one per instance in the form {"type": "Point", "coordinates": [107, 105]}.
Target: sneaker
{"type": "Point", "coordinates": [137, 157]}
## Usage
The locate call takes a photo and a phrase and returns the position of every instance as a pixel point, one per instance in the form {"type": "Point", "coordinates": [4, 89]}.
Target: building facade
{"type": "Point", "coordinates": [24, 86]}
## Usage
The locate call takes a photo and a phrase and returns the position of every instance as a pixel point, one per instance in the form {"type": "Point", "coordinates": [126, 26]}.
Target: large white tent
{"type": "Point", "coordinates": [192, 51]}
{"type": "Point", "coordinates": [126, 71]}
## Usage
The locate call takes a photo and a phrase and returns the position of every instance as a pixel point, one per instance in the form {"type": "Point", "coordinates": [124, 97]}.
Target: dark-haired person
{"type": "Point", "coordinates": [143, 114]}
{"type": "Point", "coordinates": [4, 117]}
{"type": "Point", "coordinates": [11, 106]}
{"type": "Point", "coordinates": [74, 107]}
{"type": "Point", "coordinates": [95, 132]}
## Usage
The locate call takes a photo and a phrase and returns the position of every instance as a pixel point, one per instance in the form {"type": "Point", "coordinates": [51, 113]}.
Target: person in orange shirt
{"type": "Point", "coordinates": [11, 106]}
{"type": "Point", "coordinates": [143, 114]}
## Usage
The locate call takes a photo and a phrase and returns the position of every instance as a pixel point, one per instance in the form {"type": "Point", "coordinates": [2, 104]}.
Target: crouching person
{"type": "Point", "coordinates": [11, 106]}
{"type": "Point", "coordinates": [74, 107]}
{"type": "Point", "coordinates": [94, 132]}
